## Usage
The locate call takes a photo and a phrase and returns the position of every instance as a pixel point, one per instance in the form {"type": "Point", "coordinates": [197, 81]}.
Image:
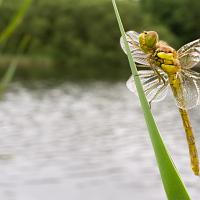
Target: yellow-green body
{"type": "Point", "coordinates": [166, 58]}
{"type": "Point", "coordinates": [176, 87]}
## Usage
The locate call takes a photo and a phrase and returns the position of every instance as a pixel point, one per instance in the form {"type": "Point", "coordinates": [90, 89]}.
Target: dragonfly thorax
{"type": "Point", "coordinates": [165, 57]}
{"type": "Point", "coordinates": [161, 54]}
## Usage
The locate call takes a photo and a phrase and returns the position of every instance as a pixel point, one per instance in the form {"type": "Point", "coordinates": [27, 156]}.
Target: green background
{"type": "Point", "coordinates": [79, 39]}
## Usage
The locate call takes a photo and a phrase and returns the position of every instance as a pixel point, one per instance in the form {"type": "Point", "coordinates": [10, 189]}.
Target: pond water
{"type": "Point", "coordinates": [86, 142]}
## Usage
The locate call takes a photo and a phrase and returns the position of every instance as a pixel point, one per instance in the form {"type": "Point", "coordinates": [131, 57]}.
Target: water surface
{"type": "Point", "coordinates": [86, 142]}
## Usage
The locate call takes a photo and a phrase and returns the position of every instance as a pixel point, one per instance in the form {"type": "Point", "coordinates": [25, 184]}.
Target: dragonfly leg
{"type": "Point", "coordinates": [159, 80]}
{"type": "Point", "coordinates": [160, 89]}
{"type": "Point", "coordinates": [159, 76]}
{"type": "Point", "coordinates": [150, 105]}
{"type": "Point", "coordinates": [158, 92]}
{"type": "Point", "coordinates": [132, 41]}
{"type": "Point", "coordinates": [147, 91]}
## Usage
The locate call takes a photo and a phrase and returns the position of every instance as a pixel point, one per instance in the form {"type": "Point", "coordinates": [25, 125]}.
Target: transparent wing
{"type": "Point", "coordinates": [189, 54]}
{"type": "Point", "coordinates": [189, 95]}
{"type": "Point", "coordinates": [133, 41]}
{"type": "Point", "coordinates": [151, 84]}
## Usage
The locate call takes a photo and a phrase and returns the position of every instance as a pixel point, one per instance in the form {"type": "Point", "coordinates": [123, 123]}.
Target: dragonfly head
{"type": "Point", "coordinates": [148, 41]}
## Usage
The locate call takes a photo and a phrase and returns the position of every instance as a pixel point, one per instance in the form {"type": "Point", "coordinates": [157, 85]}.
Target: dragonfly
{"type": "Point", "coordinates": [162, 67]}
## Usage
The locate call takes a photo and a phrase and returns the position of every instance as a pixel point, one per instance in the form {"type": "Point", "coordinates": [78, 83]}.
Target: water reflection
{"type": "Point", "coordinates": [85, 142]}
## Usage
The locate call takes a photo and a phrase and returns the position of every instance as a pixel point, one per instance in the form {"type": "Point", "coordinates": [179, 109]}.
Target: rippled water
{"type": "Point", "coordinates": [86, 142]}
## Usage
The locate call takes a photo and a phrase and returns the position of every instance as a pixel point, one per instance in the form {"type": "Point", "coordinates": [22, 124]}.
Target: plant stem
{"type": "Point", "coordinates": [173, 185]}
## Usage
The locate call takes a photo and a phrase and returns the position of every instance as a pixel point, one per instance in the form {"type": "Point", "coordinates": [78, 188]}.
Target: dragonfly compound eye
{"type": "Point", "coordinates": [148, 41]}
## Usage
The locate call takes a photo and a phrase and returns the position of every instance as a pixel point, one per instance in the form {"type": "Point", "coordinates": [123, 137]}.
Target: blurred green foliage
{"type": "Point", "coordinates": [182, 17]}
{"type": "Point", "coordinates": [79, 39]}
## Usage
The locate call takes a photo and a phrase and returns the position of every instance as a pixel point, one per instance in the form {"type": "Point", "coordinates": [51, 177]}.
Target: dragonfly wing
{"type": "Point", "coordinates": [137, 53]}
{"type": "Point", "coordinates": [189, 54]}
{"type": "Point", "coordinates": [190, 95]}
{"type": "Point", "coordinates": [151, 84]}
{"type": "Point", "coordinates": [192, 74]}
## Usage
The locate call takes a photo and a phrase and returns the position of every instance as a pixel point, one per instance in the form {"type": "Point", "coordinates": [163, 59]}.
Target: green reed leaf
{"type": "Point", "coordinates": [173, 185]}
{"type": "Point", "coordinates": [16, 20]}
{"type": "Point", "coordinates": [7, 32]}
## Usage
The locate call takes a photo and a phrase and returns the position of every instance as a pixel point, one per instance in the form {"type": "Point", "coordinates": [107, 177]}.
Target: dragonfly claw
{"type": "Point", "coordinates": [150, 104]}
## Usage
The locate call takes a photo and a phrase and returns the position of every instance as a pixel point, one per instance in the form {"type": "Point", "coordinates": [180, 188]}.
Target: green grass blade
{"type": "Point", "coordinates": [15, 21]}
{"type": "Point", "coordinates": [8, 76]}
{"type": "Point", "coordinates": [173, 185]}
{"type": "Point", "coordinates": [5, 35]}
